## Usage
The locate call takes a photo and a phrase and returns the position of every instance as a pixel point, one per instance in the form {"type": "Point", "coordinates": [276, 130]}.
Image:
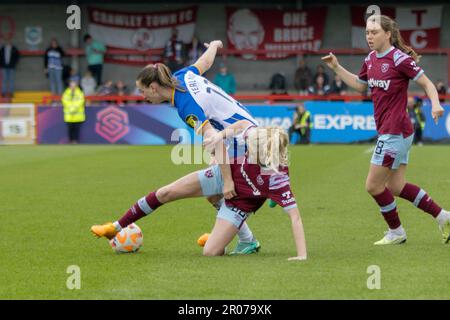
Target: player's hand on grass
{"type": "Point", "coordinates": [228, 190]}
{"type": "Point", "coordinates": [217, 43]}
{"type": "Point", "coordinates": [331, 61]}
{"type": "Point", "coordinates": [298, 258]}
{"type": "Point", "coordinates": [437, 112]}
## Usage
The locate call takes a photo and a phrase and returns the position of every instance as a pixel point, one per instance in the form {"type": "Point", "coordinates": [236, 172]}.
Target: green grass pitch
{"type": "Point", "coordinates": [51, 195]}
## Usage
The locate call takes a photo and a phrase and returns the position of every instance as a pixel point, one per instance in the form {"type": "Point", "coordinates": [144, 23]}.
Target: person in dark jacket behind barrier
{"type": "Point", "coordinates": [9, 56]}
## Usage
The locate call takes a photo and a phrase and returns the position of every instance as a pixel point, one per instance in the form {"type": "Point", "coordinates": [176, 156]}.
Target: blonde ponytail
{"type": "Point", "coordinates": [268, 147]}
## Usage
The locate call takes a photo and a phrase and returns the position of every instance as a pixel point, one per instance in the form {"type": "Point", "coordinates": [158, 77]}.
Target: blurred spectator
{"type": "Point", "coordinates": [302, 124]}
{"type": "Point", "coordinates": [9, 56]}
{"type": "Point", "coordinates": [417, 118]}
{"type": "Point", "coordinates": [106, 89]}
{"type": "Point", "coordinates": [121, 88]}
{"type": "Point", "coordinates": [88, 84]}
{"type": "Point", "coordinates": [225, 79]}
{"type": "Point", "coordinates": [137, 93]}
{"type": "Point", "coordinates": [95, 51]}
{"type": "Point", "coordinates": [278, 84]}
{"type": "Point", "coordinates": [319, 87]}
{"type": "Point", "coordinates": [194, 50]}
{"type": "Point", "coordinates": [320, 71]}
{"type": "Point", "coordinates": [441, 89]}
{"type": "Point", "coordinates": [74, 76]}
{"type": "Point", "coordinates": [174, 55]}
{"type": "Point", "coordinates": [338, 86]}
{"type": "Point", "coordinates": [53, 64]}
{"type": "Point", "coordinates": [303, 77]}
{"type": "Point", "coordinates": [66, 74]}
{"type": "Point", "coordinates": [74, 116]}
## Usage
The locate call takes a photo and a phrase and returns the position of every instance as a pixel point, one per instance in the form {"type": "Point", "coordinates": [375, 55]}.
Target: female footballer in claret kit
{"type": "Point", "coordinates": [386, 71]}
{"type": "Point", "coordinates": [259, 171]}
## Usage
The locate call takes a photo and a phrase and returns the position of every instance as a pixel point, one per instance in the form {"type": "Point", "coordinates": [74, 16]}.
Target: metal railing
{"type": "Point", "coordinates": [266, 98]}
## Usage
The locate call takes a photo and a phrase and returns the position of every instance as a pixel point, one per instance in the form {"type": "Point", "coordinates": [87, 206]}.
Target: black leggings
{"type": "Point", "coordinates": [418, 135]}
{"type": "Point", "coordinates": [74, 131]}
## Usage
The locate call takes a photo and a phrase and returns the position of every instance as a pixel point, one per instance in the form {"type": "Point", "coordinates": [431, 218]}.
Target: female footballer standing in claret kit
{"type": "Point", "coordinates": [387, 71]}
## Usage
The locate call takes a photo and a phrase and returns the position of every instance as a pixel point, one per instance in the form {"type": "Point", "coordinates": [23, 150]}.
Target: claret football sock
{"type": "Point", "coordinates": [143, 207]}
{"type": "Point", "coordinates": [388, 208]}
{"type": "Point", "coordinates": [420, 199]}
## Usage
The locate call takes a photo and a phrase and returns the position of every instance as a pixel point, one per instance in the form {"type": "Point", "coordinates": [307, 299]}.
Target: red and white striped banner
{"type": "Point", "coordinates": [140, 30]}
{"type": "Point", "coordinates": [420, 26]}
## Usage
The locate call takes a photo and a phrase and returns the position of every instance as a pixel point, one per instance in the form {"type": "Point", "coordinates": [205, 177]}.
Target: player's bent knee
{"type": "Point", "coordinates": [211, 252]}
{"type": "Point", "coordinates": [373, 188]}
{"type": "Point", "coordinates": [165, 194]}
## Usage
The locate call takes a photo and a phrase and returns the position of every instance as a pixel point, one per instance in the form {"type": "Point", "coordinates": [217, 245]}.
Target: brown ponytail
{"type": "Point", "coordinates": [388, 24]}
{"type": "Point", "coordinates": [160, 74]}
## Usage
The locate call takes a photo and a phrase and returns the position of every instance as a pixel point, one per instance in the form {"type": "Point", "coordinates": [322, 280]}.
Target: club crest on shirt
{"type": "Point", "coordinates": [191, 121]}
{"type": "Point", "coordinates": [384, 67]}
{"type": "Point", "coordinates": [260, 180]}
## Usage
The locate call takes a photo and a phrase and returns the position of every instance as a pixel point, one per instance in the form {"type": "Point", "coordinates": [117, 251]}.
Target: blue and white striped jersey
{"type": "Point", "coordinates": [203, 102]}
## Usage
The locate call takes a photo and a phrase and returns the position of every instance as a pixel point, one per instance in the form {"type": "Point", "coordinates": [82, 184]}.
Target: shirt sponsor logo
{"type": "Point", "coordinates": [255, 190]}
{"type": "Point", "coordinates": [382, 84]}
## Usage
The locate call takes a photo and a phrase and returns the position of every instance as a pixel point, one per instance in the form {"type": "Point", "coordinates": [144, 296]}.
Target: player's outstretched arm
{"type": "Point", "coordinates": [436, 109]}
{"type": "Point", "coordinates": [206, 60]}
{"type": "Point", "coordinates": [299, 234]}
{"type": "Point", "coordinates": [211, 142]}
{"type": "Point", "coordinates": [349, 78]}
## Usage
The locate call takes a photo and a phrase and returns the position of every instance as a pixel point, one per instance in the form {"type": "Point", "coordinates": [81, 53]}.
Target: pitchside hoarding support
{"type": "Point", "coordinates": [17, 123]}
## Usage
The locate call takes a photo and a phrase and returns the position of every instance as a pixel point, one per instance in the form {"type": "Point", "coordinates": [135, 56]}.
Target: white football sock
{"type": "Point", "coordinates": [442, 217]}
{"type": "Point", "coordinates": [399, 231]}
{"type": "Point", "coordinates": [245, 234]}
